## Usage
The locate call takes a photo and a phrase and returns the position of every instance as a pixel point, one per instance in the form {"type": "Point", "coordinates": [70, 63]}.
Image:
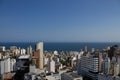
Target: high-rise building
{"type": "Point", "coordinates": [116, 69]}
{"type": "Point", "coordinates": [29, 50]}
{"type": "Point", "coordinates": [51, 66]}
{"type": "Point", "coordinates": [39, 46]}
{"type": "Point", "coordinates": [100, 62]}
{"type": "Point", "coordinates": [0, 56]}
{"type": "Point", "coordinates": [45, 60]}
{"type": "Point", "coordinates": [85, 48]}
{"type": "Point", "coordinates": [73, 62]}
{"type": "Point", "coordinates": [93, 64]}
{"type": "Point", "coordinates": [89, 65]}
{"type": "Point", "coordinates": [22, 51]}
{"type": "Point", "coordinates": [12, 64]}
{"type": "Point", "coordinates": [118, 61]}
{"type": "Point", "coordinates": [2, 48]}
{"type": "Point", "coordinates": [6, 65]}
{"type": "Point", "coordinates": [2, 68]}
{"type": "Point", "coordinates": [106, 65]}
{"type": "Point", "coordinates": [93, 50]}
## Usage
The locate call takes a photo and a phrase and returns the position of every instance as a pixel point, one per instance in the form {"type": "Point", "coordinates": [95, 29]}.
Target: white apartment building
{"type": "Point", "coordinates": [2, 48]}
{"type": "Point", "coordinates": [93, 63]}
{"type": "Point", "coordinates": [22, 51]}
{"type": "Point", "coordinates": [29, 50]}
{"type": "Point", "coordinates": [12, 64]}
{"type": "Point", "coordinates": [45, 61]}
{"type": "Point", "coordinates": [51, 66]}
{"type": "Point", "coordinates": [7, 65]}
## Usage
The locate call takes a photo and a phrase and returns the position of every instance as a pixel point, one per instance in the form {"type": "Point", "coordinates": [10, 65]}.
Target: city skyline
{"type": "Point", "coordinates": [60, 21]}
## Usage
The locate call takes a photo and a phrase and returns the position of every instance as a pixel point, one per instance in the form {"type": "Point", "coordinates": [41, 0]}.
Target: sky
{"type": "Point", "coordinates": [60, 20]}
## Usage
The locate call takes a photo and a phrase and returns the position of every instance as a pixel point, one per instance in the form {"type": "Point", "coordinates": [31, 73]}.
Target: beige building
{"type": "Point", "coordinates": [39, 46]}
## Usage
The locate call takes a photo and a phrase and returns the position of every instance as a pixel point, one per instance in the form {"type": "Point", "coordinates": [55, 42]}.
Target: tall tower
{"type": "Point", "coordinates": [106, 65]}
{"type": "Point", "coordinates": [51, 65]}
{"type": "Point", "coordinates": [85, 48]}
{"type": "Point", "coordinates": [116, 69]}
{"type": "Point", "coordinates": [39, 46]}
{"type": "Point", "coordinates": [29, 50]}
{"type": "Point", "coordinates": [100, 62]}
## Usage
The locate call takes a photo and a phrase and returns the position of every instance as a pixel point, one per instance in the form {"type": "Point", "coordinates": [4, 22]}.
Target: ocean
{"type": "Point", "coordinates": [61, 46]}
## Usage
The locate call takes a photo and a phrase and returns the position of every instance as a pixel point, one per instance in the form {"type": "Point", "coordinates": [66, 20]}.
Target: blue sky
{"type": "Point", "coordinates": [60, 20]}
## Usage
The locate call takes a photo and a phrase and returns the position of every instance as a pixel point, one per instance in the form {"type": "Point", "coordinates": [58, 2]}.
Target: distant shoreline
{"type": "Point", "coordinates": [62, 46]}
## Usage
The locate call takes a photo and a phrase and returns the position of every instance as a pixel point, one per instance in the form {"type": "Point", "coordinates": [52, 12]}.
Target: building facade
{"type": "Point", "coordinates": [39, 46]}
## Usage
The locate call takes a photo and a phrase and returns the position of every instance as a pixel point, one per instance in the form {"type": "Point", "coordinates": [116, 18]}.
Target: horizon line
{"type": "Point", "coordinates": [59, 41]}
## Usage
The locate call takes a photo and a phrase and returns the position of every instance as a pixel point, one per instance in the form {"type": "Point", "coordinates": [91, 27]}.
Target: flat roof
{"type": "Point", "coordinates": [24, 56]}
{"type": "Point", "coordinates": [8, 75]}
{"type": "Point", "coordinates": [74, 75]}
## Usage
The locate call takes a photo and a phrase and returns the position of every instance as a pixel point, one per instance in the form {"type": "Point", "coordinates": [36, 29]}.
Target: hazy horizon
{"type": "Point", "coordinates": [52, 42]}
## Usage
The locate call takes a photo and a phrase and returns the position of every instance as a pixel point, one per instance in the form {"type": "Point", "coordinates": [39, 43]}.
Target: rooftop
{"type": "Point", "coordinates": [24, 56]}
{"type": "Point", "coordinates": [8, 75]}
{"type": "Point", "coordinates": [74, 75]}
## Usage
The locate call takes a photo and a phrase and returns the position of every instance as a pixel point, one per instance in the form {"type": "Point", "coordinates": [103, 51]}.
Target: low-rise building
{"type": "Point", "coordinates": [108, 77]}
{"type": "Point", "coordinates": [53, 77]}
{"type": "Point", "coordinates": [71, 76]}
